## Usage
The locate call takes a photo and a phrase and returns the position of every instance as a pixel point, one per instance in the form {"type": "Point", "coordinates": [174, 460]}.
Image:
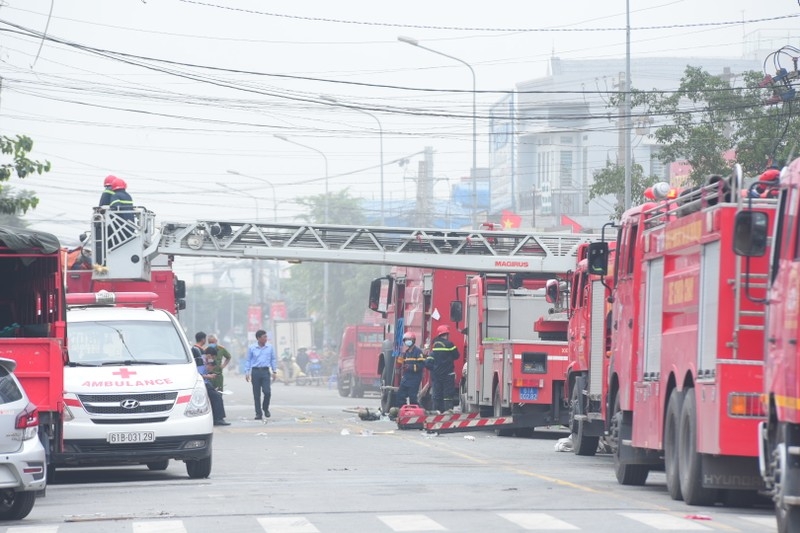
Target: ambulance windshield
{"type": "Point", "coordinates": [108, 342]}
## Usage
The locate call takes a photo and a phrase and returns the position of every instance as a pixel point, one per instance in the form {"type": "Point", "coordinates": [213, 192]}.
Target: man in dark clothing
{"type": "Point", "coordinates": [208, 372]}
{"type": "Point", "coordinates": [199, 348]}
{"type": "Point", "coordinates": [108, 192]}
{"type": "Point", "coordinates": [122, 201]}
{"type": "Point", "coordinates": [443, 375]}
{"type": "Point", "coordinates": [413, 365]}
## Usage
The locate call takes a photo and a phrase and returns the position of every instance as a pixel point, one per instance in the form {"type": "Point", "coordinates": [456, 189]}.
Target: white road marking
{"type": "Point", "coordinates": [159, 526]}
{"type": "Point", "coordinates": [411, 522]}
{"type": "Point", "coordinates": [534, 521]}
{"type": "Point", "coordinates": [666, 522]}
{"type": "Point", "coordinates": [286, 524]}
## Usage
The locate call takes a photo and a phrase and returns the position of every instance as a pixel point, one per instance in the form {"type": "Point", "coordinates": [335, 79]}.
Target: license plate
{"type": "Point", "coordinates": [128, 437]}
{"type": "Point", "coordinates": [529, 393]}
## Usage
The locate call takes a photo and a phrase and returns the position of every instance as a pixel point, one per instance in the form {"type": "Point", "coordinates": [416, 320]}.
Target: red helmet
{"type": "Point", "coordinates": [118, 184]}
{"type": "Point", "coordinates": [443, 330]}
{"type": "Point", "coordinates": [409, 335]}
{"type": "Point", "coordinates": [109, 181]}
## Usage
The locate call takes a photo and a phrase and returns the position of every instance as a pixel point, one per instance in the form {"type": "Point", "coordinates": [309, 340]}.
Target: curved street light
{"type": "Point", "coordinates": [325, 268]}
{"type": "Point", "coordinates": [415, 42]}
{"type": "Point", "coordinates": [380, 134]}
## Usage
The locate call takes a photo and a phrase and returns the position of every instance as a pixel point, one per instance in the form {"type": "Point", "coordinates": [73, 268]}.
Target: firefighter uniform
{"type": "Point", "coordinates": [413, 366]}
{"type": "Point", "coordinates": [443, 376]}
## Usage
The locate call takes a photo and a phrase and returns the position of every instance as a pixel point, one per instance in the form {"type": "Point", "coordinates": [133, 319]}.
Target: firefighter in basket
{"type": "Point", "coordinates": [412, 362]}
{"type": "Point", "coordinates": [443, 377]}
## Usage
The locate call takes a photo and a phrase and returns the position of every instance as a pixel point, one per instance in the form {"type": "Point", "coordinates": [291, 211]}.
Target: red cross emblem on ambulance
{"type": "Point", "coordinates": [124, 373]}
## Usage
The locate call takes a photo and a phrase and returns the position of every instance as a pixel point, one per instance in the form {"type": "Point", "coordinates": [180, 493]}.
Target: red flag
{"type": "Point", "coordinates": [566, 221]}
{"type": "Point", "coordinates": [510, 220]}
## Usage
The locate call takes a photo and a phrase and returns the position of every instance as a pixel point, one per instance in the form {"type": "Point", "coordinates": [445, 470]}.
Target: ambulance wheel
{"type": "Point", "coordinates": [581, 444]}
{"type": "Point", "coordinates": [158, 466]}
{"type": "Point", "coordinates": [498, 412]}
{"type": "Point", "coordinates": [199, 469]}
{"type": "Point", "coordinates": [627, 474]}
{"type": "Point", "coordinates": [672, 444]}
{"type": "Point", "coordinates": [690, 463]}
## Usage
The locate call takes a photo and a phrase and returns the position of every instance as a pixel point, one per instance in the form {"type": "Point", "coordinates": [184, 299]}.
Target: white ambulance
{"type": "Point", "coordinates": [132, 392]}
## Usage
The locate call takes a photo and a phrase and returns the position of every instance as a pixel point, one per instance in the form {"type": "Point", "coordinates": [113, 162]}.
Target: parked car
{"type": "Point", "coordinates": [22, 456]}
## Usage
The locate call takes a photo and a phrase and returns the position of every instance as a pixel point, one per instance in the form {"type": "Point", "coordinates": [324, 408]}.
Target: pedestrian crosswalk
{"type": "Point", "coordinates": [462, 522]}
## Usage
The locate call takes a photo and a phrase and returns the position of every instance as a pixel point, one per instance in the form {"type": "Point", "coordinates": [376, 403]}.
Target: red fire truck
{"type": "Point", "coordinates": [416, 300]}
{"type": "Point", "coordinates": [357, 369]}
{"type": "Point", "coordinates": [170, 290]}
{"type": "Point", "coordinates": [687, 347]}
{"type": "Point", "coordinates": [757, 238]}
{"type": "Point", "coordinates": [517, 347]}
{"type": "Point", "coordinates": [589, 338]}
{"type": "Point", "coordinates": [512, 342]}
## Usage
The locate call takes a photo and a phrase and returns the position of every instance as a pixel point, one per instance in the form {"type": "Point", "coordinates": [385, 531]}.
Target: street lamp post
{"type": "Point", "coordinates": [276, 268]}
{"type": "Point", "coordinates": [380, 135]}
{"type": "Point", "coordinates": [255, 273]}
{"type": "Point", "coordinates": [325, 269]}
{"type": "Point", "coordinates": [415, 42]}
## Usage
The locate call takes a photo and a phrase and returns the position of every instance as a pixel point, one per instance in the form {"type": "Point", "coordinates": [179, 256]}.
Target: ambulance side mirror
{"type": "Point", "coordinates": [750, 233]}
{"type": "Point", "coordinates": [597, 258]}
{"type": "Point", "coordinates": [551, 291]}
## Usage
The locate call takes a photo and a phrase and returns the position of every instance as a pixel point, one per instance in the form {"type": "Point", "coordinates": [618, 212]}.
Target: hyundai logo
{"type": "Point", "coordinates": [129, 404]}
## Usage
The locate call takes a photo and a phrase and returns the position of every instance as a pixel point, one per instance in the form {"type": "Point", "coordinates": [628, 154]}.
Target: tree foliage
{"type": "Point", "coordinates": [348, 284]}
{"type": "Point", "coordinates": [709, 115]}
{"type": "Point", "coordinates": [21, 166]}
{"type": "Point", "coordinates": [610, 180]}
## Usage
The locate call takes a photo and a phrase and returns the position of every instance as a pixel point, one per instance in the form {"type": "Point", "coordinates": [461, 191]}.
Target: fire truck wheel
{"type": "Point", "coordinates": [627, 474]}
{"type": "Point", "coordinates": [581, 444]}
{"type": "Point", "coordinates": [671, 444]}
{"type": "Point", "coordinates": [788, 516]}
{"type": "Point", "coordinates": [387, 400]}
{"type": "Point", "coordinates": [498, 412]}
{"type": "Point", "coordinates": [690, 464]}
{"type": "Point", "coordinates": [344, 392]}
{"type": "Point", "coordinates": [356, 390]}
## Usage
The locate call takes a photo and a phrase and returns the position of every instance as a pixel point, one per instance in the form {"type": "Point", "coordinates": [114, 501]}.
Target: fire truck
{"type": "Point", "coordinates": [170, 291]}
{"type": "Point", "coordinates": [757, 237]}
{"type": "Point", "coordinates": [357, 371]}
{"type": "Point", "coordinates": [512, 342]}
{"type": "Point", "coordinates": [687, 359]}
{"type": "Point", "coordinates": [589, 337]}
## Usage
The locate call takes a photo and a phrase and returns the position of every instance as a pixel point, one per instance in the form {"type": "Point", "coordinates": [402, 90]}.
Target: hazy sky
{"type": "Point", "coordinates": [172, 94]}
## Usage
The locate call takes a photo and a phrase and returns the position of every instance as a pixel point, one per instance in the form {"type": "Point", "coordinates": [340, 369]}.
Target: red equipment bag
{"type": "Point", "coordinates": [410, 417]}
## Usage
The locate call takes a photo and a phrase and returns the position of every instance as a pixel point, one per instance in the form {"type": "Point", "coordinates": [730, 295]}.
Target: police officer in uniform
{"type": "Point", "coordinates": [443, 376]}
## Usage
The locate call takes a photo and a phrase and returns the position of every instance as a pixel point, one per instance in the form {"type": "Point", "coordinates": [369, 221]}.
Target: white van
{"type": "Point", "coordinates": [132, 392]}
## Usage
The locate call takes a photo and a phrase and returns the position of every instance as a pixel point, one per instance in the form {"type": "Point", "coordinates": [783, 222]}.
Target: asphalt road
{"type": "Point", "coordinates": [316, 467]}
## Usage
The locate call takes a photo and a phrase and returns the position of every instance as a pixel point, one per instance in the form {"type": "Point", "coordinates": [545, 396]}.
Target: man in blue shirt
{"type": "Point", "coordinates": [261, 363]}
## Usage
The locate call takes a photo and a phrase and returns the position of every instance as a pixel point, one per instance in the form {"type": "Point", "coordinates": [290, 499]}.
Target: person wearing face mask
{"type": "Point", "coordinates": [413, 366]}
{"type": "Point", "coordinates": [221, 359]}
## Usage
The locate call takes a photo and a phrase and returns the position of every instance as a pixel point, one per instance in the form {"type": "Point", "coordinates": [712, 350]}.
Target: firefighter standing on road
{"type": "Point", "coordinates": [443, 374]}
{"type": "Point", "coordinates": [413, 366]}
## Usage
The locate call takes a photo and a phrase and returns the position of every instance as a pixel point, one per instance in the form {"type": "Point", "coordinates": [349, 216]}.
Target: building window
{"type": "Point", "coordinates": [565, 170]}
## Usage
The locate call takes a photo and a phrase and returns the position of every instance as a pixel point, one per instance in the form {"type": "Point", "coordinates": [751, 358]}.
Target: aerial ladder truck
{"type": "Point", "coordinates": [419, 255]}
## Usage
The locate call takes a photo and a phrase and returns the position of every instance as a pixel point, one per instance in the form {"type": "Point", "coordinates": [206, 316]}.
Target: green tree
{"type": "Point", "coordinates": [708, 115]}
{"type": "Point", "coordinates": [611, 181]}
{"type": "Point", "coordinates": [21, 166]}
{"type": "Point", "coordinates": [348, 284]}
